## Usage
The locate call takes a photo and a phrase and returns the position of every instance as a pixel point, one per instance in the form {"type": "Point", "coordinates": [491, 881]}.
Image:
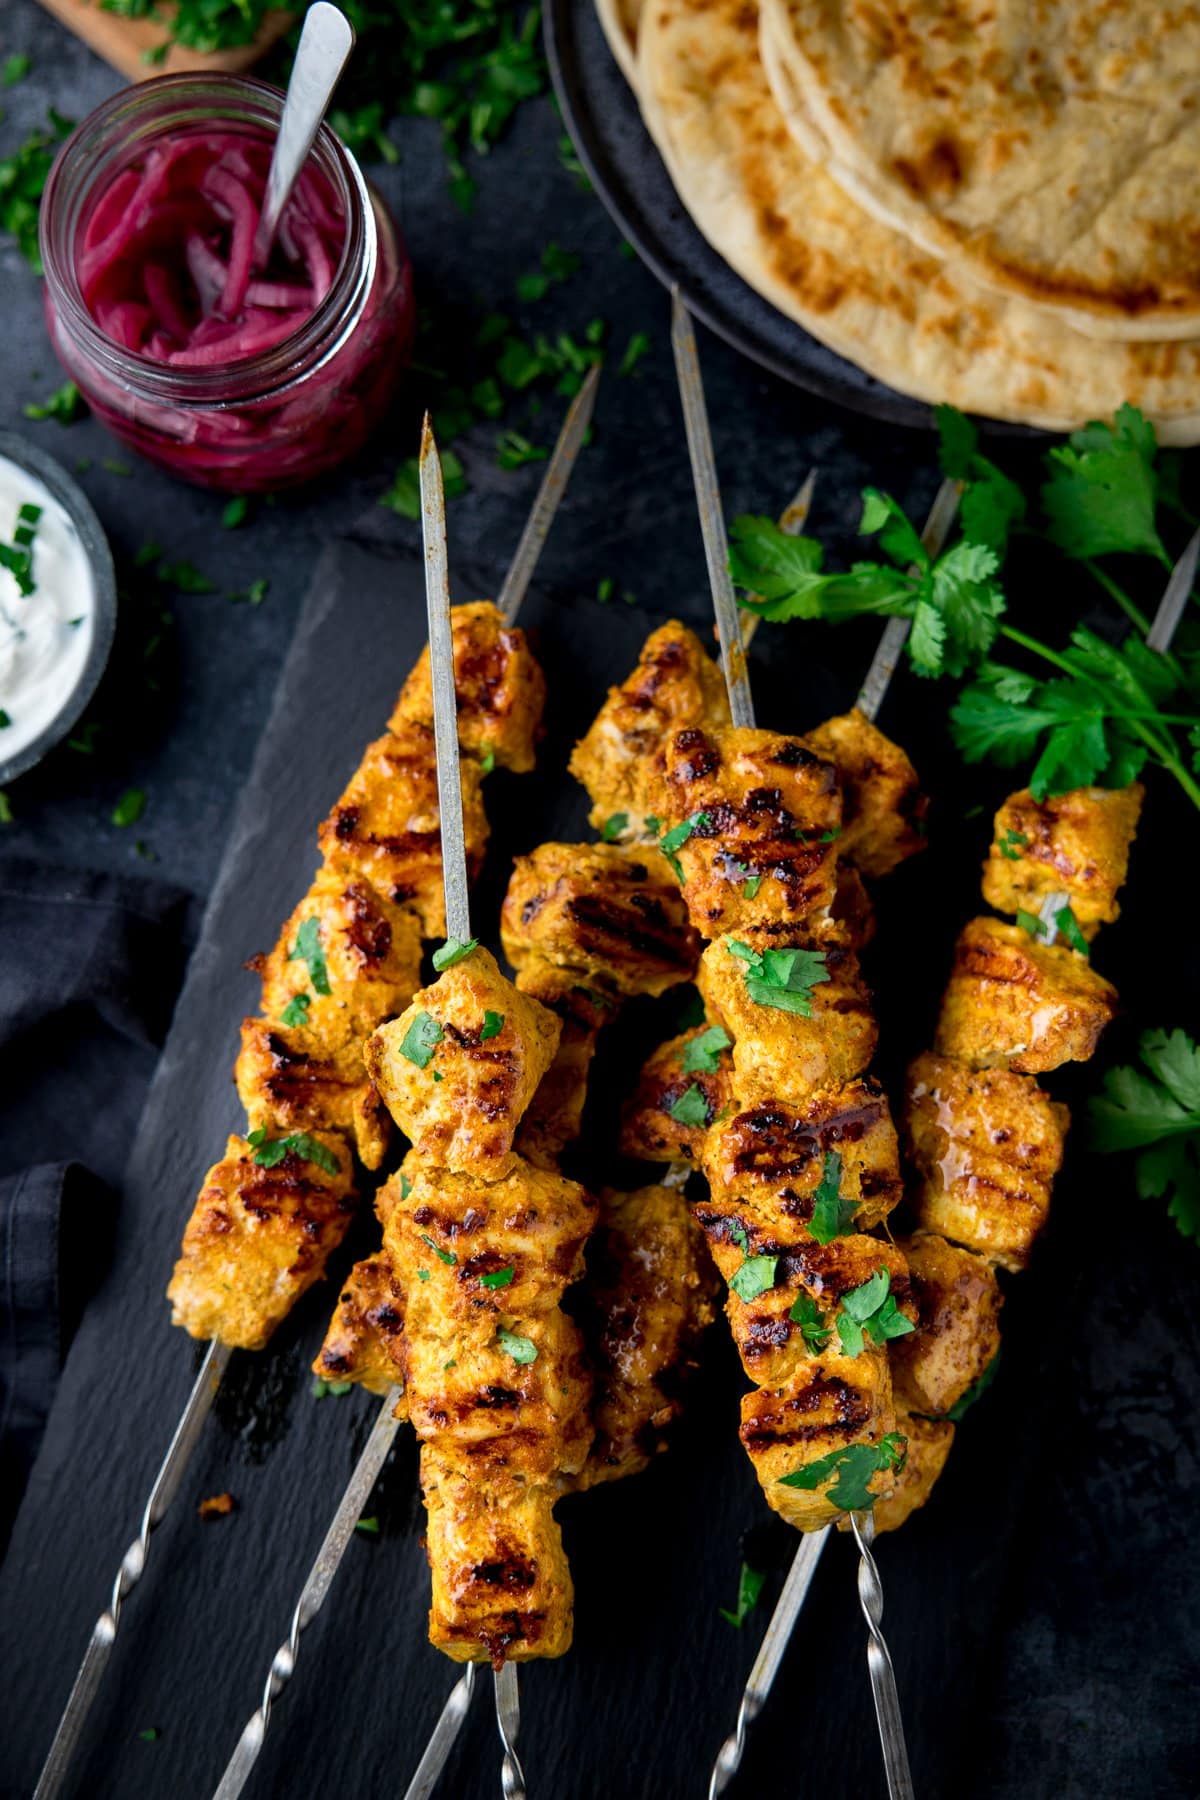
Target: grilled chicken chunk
{"type": "Point", "coordinates": [286, 1084]}
{"type": "Point", "coordinates": [258, 1237]}
{"type": "Point", "coordinates": [501, 1586]}
{"type": "Point", "coordinates": [1014, 1003]}
{"type": "Point", "coordinates": [764, 810]}
{"type": "Point", "coordinates": [782, 1054]}
{"type": "Point", "coordinates": [852, 907]}
{"type": "Point", "coordinates": [766, 1163]}
{"type": "Point", "coordinates": [678, 1097]}
{"type": "Point", "coordinates": [613, 916]}
{"type": "Point", "coordinates": [770, 1338]}
{"type": "Point", "coordinates": [386, 828]}
{"type": "Point", "coordinates": [958, 1305]}
{"type": "Point", "coordinates": [883, 807]}
{"type": "Point", "coordinates": [364, 1342]}
{"type": "Point", "coordinates": [346, 960]}
{"type": "Point", "coordinates": [500, 688]}
{"type": "Point", "coordinates": [555, 1114]}
{"type": "Point", "coordinates": [928, 1445]}
{"type": "Point", "coordinates": [986, 1146]}
{"type": "Point", "coordinates": [1075, 844]}
{"type": "Point", "coordinates": [675, 684]}
{"type": "Point", "coordinates": [459, 1067]}
{"type": "Point", "coordinates": [833, 1402]}
{"type": "Point", "coordinates": [650, 1296]}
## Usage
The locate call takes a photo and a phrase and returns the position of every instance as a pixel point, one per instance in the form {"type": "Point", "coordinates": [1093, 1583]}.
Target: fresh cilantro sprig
{"type": "Point", "coordinates": [870, 1311]}
{"type": "Point", "coordinates": [1155, 1111]}
{"type": "Point", "coordinates": [805, 1313]}
{"type": "Point", "coordinates": [22, 177]}
{"type": "Point", "coordinates": [783, 979]}
{"type": "Point", "coordinates": [308, 950]}
{"type": "Point", "coordinates": [702, 1054]}
{"type": "Point", "coordinates": [831, 1215]}
{"type": "Point", "coordinates": [750, 1586]}
{"type": "Point", "coordinates": [690, 1108]}
{"type": "Point", "coordinates": [269, 1152]}
{"type": "Point", "coordinates": [851, 1471]}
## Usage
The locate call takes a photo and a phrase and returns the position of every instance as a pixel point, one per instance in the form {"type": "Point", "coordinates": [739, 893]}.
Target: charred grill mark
{"type": "Point", "coordinates": [843, 1410]}
{"type": "Point", "coordinates": [771, 1143]}
{"type": "Point", "coordinates": [513, 1574]}
{"type": "Point", "coordinates": [641, 927]}
{"type": "Point", "coordinates": [695, 756]}
{"type": "Point", "coordinates": [367, 932]}
{"type": "Point", "coordinates": [761, 1335]}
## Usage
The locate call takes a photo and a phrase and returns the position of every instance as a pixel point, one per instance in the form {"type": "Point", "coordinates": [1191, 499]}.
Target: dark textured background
{"type": "Point", "coordinates": [1041, 1611]}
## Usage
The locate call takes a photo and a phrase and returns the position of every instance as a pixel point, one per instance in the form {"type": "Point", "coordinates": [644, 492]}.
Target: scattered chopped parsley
{"type": "Point", "coordinates": [5, 721]}
{"type": "Point", "coordinates": [691, 1108]}
{"type": "Point", "coordinates": [498, 1278]}
{"type": "Point", "coordinates": [487, 761]}
{"type": "Point", "coordinates": [22, 177]}
{"type": "Point", "coordinates": [805, 1313]}
{"type": "Point", "coordinates": [454, 950]}
{"type": "Point", "coordinates": [1154, 1110]}
{"type": "Point", "coordinates": [1030, 923]}
{"type": "Point", "coordinates": [405, 1187]}
{"type": "Point", "coordinates": [255, 594]}
{"type": "Point", "coordinates": [16, 68]}
{"type": "Point", "coordinates": [235, 512]}
{"type": "Point", "coordinates": [613, 826]}
{"type": "Point", "coordinates": [404, 495]}
{"type": "Point", "coordinates": [269, 1152]}
{"type": "Point", "coordinates": [637, 347]}
{"type": "Point", "coordinates": [65, 405]}
{"type": "Point", "coordinates": [493, 1025]}
{"type": "Point", "coordinates": [1012, 844]}
{"type": "Point", "coordinates": [183, 576]}
{"type": "Point", "coordinates": [514, 451]}
{"type": "Point", "coordinates": [750, 1586]}
{"type": "Point", "coordinates": [6, 811]}
{"type": "Point", "coordinates": [446, 1256]}
{"type": "Point", "coordinates": [783, 979]}
{"type": "Point", "coordinates": [832, 1216]}
{"type": "Point", "coordinates": [870, 1311]}
{"type": "Point", "coordinates": [369, 1527]}
{"type": "Point", "coordinates": [702, 1055]}
{"type": "Point", "coordinates": [521, 1349]}
{"type": "Point", "coordinates": [150, 1735]}
{"type": "Point", "coordinates": [557, 265]}
{"type": "Point", "coordinates": [307, 949]}
{"type": "Point", "coordinates": [1069, 931]}
{"type": "Point", "coordinates": [296, 1010]}
{"type": "Point", "coordinates": [850, 1471]}
{"type": "Point", "coordinates": [320, 1388]}
{"type": "Point", "coordinates": [129, 807]}
{"type": "Point", "coordinates": [755, 1276]}
{"type": "Point", "coordinates": [678, 835]}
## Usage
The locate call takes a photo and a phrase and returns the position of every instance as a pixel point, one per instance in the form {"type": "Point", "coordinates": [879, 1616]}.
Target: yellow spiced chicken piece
{"type": "Point", "coordinates": [958, 1307]}
{"type": "Point", "coordinates": [459, 1067]}
{"type": "Point", "coordinates": [675, 684]}
{"type": "Point", "coordinates": [684, 1086]}
{"type": "Point", "coordinates": [347, 959]}
{"type": "Point", "coordinates": [834, 1402]}
{"type": "Point", "coordinates": [286, 1083]}
{"type": "Point", "coordinates": [386, 827]}
{"type": "Point", "coordinates": [884, 809]}
{"type": "Point", "coordinates": [554, 1116]}
{"type": "Point", "coordinates": [364, 1342]}
{"type": "Point", "coordinates": [1075, 844]}
{"type": "Point", "coordinates": [260, 1233]}
{"type": "Point", "coordinates": [1012, 1002]}
{"type": "Point", "coordinates": [499, 687]}
{"type": "Point", "coordinates": [773, 1164]}
{"type": "Point", "coordinates": [612, 915]}
{"type": "Point", "coordinates": [751, 818]}
{"type": "Point", "coordinates": [986, 1145]}
{"type": "Point", "coordinates": [800, 1018]}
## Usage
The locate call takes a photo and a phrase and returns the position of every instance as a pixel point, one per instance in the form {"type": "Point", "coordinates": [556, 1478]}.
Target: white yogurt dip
{"type": "Point", "coordinates": [45, 635]}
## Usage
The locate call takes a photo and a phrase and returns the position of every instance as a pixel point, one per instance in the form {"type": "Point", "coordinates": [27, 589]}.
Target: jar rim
{"type": "Point", "coordinates": [72, 182]}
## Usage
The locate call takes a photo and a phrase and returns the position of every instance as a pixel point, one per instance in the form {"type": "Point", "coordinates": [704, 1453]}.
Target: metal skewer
{"type": "Point", "coordinates": [458, 925]}
{"type": "Point", "coordinates": [217, 1357]}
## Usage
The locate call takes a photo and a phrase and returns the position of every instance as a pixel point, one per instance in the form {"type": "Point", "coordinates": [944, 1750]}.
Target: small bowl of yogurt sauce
{"type": "Point", "coordinates": [58, 604]}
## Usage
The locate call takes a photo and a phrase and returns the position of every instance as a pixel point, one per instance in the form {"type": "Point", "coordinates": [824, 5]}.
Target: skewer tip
{"type": "Point", "coordinates": [428, 441]}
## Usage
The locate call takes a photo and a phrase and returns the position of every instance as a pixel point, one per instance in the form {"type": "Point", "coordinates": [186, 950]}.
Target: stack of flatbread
{"type": "Point", "coordinates": [994, 203]}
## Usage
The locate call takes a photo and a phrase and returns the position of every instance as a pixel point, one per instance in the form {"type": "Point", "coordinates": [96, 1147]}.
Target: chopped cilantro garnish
{"type": "Point", "coordinates": [514, 451]}
{"type": "Point", "coordinates": [783, 979]}
{"type": "Point", "coordinates": [498, 1278]}
{"type": "Point", "coordinates": [1102, 488]}
{"type": "Point", "coordinates": [755, 1276]}
{"type": "Point", "coordinates": [1155, 1111]}
{"type": "Point", "coordinates": [493, 1025]}
{"type": "Point", "coordinates": [66, 404]}
{"type": "Point", "coordinates": [307, 949]}
{"type": "Point", "coordinates": [1068, 929]}
{"type": "Point", "coordinates": [16, 68]}
{"type": "Point", "coordinates": [235, 511]}
{"type": "Point", "coordinates": [487, 761]}
{"type": "Point", "coordinates": [691, 1108]}
{"type": "Point", "coordinates": [421, 1040]}
{"type": "Point", "coordinates": [1012, 844]}
{"type": "Point", "coordinates": [269, 1152]}
{"type": "Point", "coordinates": [805, 1313]}
{"type": "Point", "coordinates": [1029, 922]}
{"type": "Point", "coordinates": [850, 1471]}
{"type": "Point", "coordinates": [296, 1010]}
{"type": "Point", "coordinates": [702, 1055]}
{"type": "Point", "coordinates": [150, 1735]}
{"type": "Point", "coordinates": [613, 826]}
{"type": "Point", "coordinates": [405, 1187]}
{"type": "Point", "coordinates": [129, 807]}
{"type": "Point", "coordinates": [750, 1586]}
{"type": "Point", "coordinates": [870, 1311]}
{"type": "Point", "coordinates": [404, 495]}
{"type": "Point", "coordinates": [22, 178]}
{"type": "Point", "coordinates": [446, 1256]}
{"type": "Point", "coordinates": [453, 951]}
{"type": "Point", "coordinates": [635, 349]}
{"type": "Point", "coordinates": [337, 1388]}
{"type": "Point", "coordinates": [521, 1349]}
{"type": "Point", "coordinates": [832, 1216]}
{"type": "Point", "coordinates": [5, 721]}
{"type": "Point", "coordinates": [369, 1527]}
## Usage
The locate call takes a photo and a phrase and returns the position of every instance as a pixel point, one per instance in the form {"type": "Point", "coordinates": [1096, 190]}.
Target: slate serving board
{"type": "Point", "coordinates": [1041, 1610]}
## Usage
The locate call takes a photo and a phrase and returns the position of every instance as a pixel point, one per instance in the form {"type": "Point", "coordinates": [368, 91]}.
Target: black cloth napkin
{"type": "Point", "coordinates": [89, 970]}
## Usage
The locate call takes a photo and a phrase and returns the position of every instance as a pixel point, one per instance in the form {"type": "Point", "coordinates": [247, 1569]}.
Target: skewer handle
{"type": "Point", "coordinates": [508, 1722]}
{"type": "Point", "coordinates": [879, 1663]}
{"type": "Point", "coordinates": [443, 1738]}
{"type": "Point", "coordinates": [549, 495]}
{"type": "Point", "coordinates": [770, 1655]}
{"type": "Point", "coordinates": [133, 1566]}
{"type": "Point", "coordinates": [895, 633]}
{"type": "Point", "coordinates": [312, 1597]}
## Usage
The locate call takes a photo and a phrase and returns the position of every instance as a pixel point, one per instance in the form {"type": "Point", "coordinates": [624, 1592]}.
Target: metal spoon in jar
{"type": "Point", "coordinates": [325, 44]}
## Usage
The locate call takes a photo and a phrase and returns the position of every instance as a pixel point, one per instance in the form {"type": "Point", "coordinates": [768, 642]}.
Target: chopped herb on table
{"type": "Point", "coordinates": [22, 177]}
{"type": "Point", "coordinates": [66, 404]}
{"type": "Point", "coordinates": [129, 807]}
{"type": "Point", "coordinates": [750, 1586]}
{"type": "Point", "coordinates": [1154, 1111]}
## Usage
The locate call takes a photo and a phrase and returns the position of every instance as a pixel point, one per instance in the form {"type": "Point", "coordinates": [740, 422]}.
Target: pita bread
{"type": "Point", "coordinates": [863, 289]}
{"type": "Point", "coordinates": [619, 22]}
{"type": "Point", "coordinates": [1048, 148]}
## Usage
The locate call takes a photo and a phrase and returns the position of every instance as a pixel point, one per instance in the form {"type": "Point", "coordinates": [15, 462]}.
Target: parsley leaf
{"type": "Point", "coordinates": [129, 807]}
{"type": "Point", "coordinates": [421, 1040]}
{"type": "Point", "coordinates": [832, 1216]}
{"type": "Point", "coordinates": [22, 178]}
{"type": "Point", "coordinates": [691, 1108]}
{"type": "Point", "coordinates": [1155, 1111]}
{"type": "Point", "coordinates": [991, 504]}
{"type": "Point", "coordinates": [1103, 488]}
{"type": "Point", "coordinates": [493, 1025]}
{"type": "Point", "coordinates": [750, 1586]}
{"type": "Point", "coordinates": [1011, 845]}
{"type": "Point", "coordinates": [783, 979]}
{"type": "Point", "coordinates": [851, 1471]}
{"type": "Point", "coordinates": [1068, 930]}
{"type": "Point", "coordinates": [498, 1278]}
{"type": "Point", "coordinates": [296, 1010]}
{"type": "Point", "coordinates": [521, 1349]}
{"type": "Point", "coordinates": [673, 840]}
{"type": "Point", "coordinates": [269, 1152]}
{"type": "Point", "coordinates": [755, 1276]}
{"type": "Point", "coordinates": [446, 1256]}
{"type": "Point", "coordinates": [453, 951]}
{"type": "Point", "coordinates": [702, 1055]}
{"type": "Point", "coordinates": [613, 826]}
{"type": "Point", "coordinates": [307, 949]}
{"type": "Point", "coordinates": [66, 404]}
{"type": "Point", "coordinates": [870, 1311]}
{"type": "Point", "coordinates": [808, 1316]}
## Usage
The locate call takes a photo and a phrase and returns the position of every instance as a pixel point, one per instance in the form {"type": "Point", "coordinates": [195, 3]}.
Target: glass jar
{"type": "Point", "coordinates": [270, 418]}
